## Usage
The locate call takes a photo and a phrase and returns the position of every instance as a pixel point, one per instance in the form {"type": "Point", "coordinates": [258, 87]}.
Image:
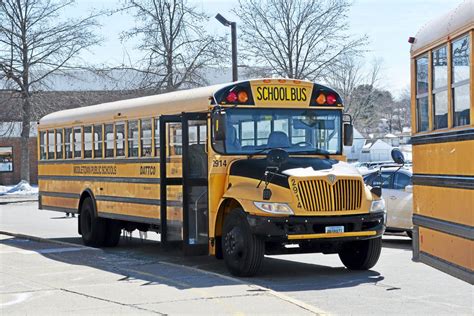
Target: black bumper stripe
{"type": "Point", "coordinates": [447, 181]}
{"type": "Point", "coordinates": [443, 137]}
{"type": "Point", "coordinates": [460, 230]}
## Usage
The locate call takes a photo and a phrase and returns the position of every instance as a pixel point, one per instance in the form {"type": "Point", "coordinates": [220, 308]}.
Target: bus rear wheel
{"type": "Point", "coordinates": [243, 251]}
{"type": "Point", "coordinates": [361, 254]}
{"type": "Point", "coordinates": [92, 227]}
{"type": "Point", "coordinates": [112, 233]}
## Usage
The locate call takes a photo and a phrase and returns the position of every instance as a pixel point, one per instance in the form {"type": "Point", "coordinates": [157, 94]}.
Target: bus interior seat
{"type": "Point", "coordinates": [278, 140]}
{"type": "Point", "coordinates": [197, 161]}
{"type": "Point", "coordinates": [232, 141]}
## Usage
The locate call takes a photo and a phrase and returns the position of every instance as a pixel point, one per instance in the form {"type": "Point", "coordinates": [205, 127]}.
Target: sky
{"type": "Point", "coordinates": [387, 23]}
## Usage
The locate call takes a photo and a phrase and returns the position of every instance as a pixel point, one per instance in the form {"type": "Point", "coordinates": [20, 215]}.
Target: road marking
{"type": "Point", "coordinates": [19, 298]}
{"type": "Point", "coordinates": [281, 296]}
{"type": "Point", "coordinates": [43, 251]}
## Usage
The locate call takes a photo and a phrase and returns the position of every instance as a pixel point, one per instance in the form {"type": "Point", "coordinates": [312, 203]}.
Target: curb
{"type": "Point", "coordinates": [46, 240]}
{"type": "Point", "coordinates": [17, 201]}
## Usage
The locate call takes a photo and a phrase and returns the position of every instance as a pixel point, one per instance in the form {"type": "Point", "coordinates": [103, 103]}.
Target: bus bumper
{"type": "Point", "coordinates": [294, 228]}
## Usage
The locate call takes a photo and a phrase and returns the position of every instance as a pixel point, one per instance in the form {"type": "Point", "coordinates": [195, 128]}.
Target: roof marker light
{"type": "Point", "coordinates": [321, 99]}
{"type": "Point", "coordinates": [231, 97]}
{"type": "Point", "coordinates": [242, 96]}
{"type": "Point", "coordinates": [331, 99]}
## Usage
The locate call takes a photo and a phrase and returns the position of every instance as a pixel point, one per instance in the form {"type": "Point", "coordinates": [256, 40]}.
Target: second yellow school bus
{"type": "Point", "coordinates": [443, 142]}
{"type": "Point", "coordinates": [237, 171]}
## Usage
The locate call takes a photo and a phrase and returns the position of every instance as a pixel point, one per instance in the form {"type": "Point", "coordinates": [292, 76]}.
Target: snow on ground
{"type": "Point", "coordinates": [22, 188]}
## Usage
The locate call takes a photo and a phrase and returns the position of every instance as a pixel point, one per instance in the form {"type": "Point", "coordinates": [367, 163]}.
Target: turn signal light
{"type": "Point", "coordinates": [231, 97]}
{"type": "Point", "coordinates": [331, 99]}
{"type": "Point", "coordinates": [321, 99]}
{"type": "Point", "coordinates": [242, 96]}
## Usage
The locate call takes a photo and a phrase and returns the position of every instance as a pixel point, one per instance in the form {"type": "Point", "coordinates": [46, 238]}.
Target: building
{"type": "Point", "coordinates": [377, 150]}
{"type": "Point", "coordinates": [353, 152]}
{"type": "Point", "coordinates": [10, 153]}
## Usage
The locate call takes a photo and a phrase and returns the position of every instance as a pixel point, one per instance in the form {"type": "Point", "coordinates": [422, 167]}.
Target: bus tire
{"type": "Point", "coordinates": [361, 254]}
{"type": "Point", "coordinates": [243, 251]}
{"type": "Point", "coordinates": [92, 227]}
{"type": "Point", "coordinates": [113, 232]}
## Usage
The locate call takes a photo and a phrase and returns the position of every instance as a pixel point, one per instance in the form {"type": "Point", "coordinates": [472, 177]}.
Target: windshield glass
{"type": "Point", "coordinates": [305, 131]}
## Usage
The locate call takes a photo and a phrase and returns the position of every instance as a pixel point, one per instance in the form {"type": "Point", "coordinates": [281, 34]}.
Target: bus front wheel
{"type": "Point", "coordinates": [243, 251]}
{"type": "Point", "coordinates": [92, 227]}
{"type": "Point", "coordinates": [361, 254]}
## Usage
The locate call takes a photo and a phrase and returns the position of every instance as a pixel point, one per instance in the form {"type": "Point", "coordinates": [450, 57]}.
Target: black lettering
{"type": "Point", "coordinates": [270, 94]}
{"type": "Point", "coordinates": [293, 93]}
{"type": "Point", "coordinates": [303, 94]}
{"type": "Point", "coordinates": [259, 93]}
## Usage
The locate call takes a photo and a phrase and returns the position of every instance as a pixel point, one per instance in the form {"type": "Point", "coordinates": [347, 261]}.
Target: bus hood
{"type": "Point", "coordinates": [339, 169]}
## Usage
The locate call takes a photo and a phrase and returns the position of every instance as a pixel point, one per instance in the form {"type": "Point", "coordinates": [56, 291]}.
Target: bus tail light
{"type": "Point", "coordinates": [331, 99]}
{"type": "Point", "coordinates": [242, 96]}
{"type": "Point", "coordinates": [231, 97]}
{"type": "Point", "coordinates": [321, 99]}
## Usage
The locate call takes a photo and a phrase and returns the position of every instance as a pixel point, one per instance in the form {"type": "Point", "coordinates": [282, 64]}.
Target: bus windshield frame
{"type": "Point", "coordinates": [252, 131]}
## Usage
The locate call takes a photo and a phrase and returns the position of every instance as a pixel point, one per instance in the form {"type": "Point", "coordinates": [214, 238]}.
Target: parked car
{"type": "Point", "coordinates": [397, 190]}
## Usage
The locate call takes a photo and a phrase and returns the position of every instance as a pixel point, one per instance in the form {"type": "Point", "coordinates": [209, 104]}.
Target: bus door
{"type": "Point", "coordinates": [195, 184]}
{"type": "Point", "coordinates": [183, 163]}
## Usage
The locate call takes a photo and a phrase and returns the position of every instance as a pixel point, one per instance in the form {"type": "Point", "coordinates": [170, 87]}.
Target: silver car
{"type": "Point", "coordinates": [397, 190]}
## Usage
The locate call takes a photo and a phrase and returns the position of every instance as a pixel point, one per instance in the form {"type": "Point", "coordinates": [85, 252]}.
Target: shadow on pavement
{"type": "Point", "coordinates": [399, 243]}
{"type": "Point", "coordinates": [146, 261]}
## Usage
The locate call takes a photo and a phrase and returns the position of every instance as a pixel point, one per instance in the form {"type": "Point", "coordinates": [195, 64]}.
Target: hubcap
{"type": "Point", "coordinates": [234, 243]}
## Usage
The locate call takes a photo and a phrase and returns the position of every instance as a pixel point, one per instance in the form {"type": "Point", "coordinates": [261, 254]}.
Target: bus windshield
{"type": "Point", "coordinates": [298, 131]}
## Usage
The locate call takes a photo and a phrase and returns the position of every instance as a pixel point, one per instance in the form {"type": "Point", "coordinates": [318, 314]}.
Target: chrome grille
{"type": "Point", "coordinates": [320, 196]}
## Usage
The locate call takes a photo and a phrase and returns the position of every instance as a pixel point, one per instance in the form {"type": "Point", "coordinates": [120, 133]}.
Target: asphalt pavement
{"type": "Point", "coordinates": [62, 276]}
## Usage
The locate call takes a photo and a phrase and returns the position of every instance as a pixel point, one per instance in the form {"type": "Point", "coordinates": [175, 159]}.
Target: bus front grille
{"type": "Point", "coordinates": [321, 196]}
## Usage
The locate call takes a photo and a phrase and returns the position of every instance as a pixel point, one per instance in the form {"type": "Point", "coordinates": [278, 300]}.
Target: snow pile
{"type": "Point", "coordinates": [22, 188]}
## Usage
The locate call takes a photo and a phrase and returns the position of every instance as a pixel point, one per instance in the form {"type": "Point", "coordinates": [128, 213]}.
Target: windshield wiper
{"type": "Point", "coordinates": [261, 151]}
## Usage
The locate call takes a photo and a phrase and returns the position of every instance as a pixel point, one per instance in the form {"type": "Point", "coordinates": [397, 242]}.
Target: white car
{"type": "Point", "coordinates": [397, 191]}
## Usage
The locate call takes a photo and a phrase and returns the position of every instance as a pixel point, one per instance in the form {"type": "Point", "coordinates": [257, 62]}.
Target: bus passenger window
{"type": "Point", "coordinates": [145, 137]}
{"type": "Point", "coordinates": [77, 142]}
{"type": "Point", "coordinates": [461, 80]}
{"type": "Point", "coordinates": [68, 142]}
{"type": "Point", "coordinates": [42, 145]}
{"type": "Point", "coordinates": [440, 87]}
{"type": "Point", "coordinates": [87, 141]}
{"type": "Point", "coordinates": [422, 94]}
{"type": "Point", "coordinates": [59, 144]}
{"type": "Point", "coordinates": [132, 139]}
{"type": "Point", "coordinates": [120, 139]}
{"type": "Point", "coordinates": [157, 137]}
{"type": "Point", "coordinates": [97, 141]}
{"type": "Point", "coordinates": [109, 140]}
{"type": "Point", "coordinates": [50, 144]}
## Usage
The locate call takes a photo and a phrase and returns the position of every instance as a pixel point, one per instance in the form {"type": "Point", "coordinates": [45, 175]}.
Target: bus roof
{"type": "Point", "coordinates": [268, 92]}
{"type": "Point", "coordinates": [191, 100]}
{"type": "Point", "coordinates": [439, 30]}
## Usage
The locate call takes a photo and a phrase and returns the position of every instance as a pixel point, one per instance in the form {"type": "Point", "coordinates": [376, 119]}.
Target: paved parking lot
{"type": "Point", "coordinates": [139, 277]}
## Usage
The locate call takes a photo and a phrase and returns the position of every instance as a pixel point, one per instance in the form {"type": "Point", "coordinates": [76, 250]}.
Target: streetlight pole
{"type": "Point", "coordinates": [233, 33]}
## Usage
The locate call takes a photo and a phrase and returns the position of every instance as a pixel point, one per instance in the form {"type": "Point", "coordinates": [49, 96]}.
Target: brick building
{"type": "Point", "coordinates": [10, 153]}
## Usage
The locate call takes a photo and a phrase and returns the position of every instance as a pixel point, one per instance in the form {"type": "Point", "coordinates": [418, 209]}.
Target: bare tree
{"type": "Point", "coordinates": [297, 38]}
{"type": "Point", "coordinates": [35, 43]}
{"type": "Point", "coordinates": [175, 42]}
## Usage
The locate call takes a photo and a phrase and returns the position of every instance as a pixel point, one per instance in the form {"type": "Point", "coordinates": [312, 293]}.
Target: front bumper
{"type": "Point", "coordinates": [294, 228]}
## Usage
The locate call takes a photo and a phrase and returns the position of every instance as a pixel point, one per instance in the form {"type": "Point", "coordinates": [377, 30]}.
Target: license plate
{"type": "Point", "coordinates": [334, 229]}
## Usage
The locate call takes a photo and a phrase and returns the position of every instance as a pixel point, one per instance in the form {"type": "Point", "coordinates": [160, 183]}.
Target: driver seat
{"type": "Point", "coordinates": [278, 140]}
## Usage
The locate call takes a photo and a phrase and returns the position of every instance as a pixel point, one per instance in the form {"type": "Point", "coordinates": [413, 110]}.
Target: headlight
{"type": "Point", "coordinates": [378, 206]}
{"type": "Point", "coordinates": [274, 208]}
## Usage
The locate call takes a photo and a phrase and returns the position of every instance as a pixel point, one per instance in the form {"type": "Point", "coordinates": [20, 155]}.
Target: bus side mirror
{"type": "Point", "coordinates": [348, 134]}
{"type": "Point", "coordinates": [397, 156]}
{"type": "Point", "coordinates": [219, 126]}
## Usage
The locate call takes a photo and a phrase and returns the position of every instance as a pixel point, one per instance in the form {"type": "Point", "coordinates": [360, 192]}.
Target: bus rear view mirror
{"type": "Point", "coordinates": [397, 156]}
{"type": "Point", "coordinates": [348, 134]}
{"type": "Point", "coordinates": [219, 126]}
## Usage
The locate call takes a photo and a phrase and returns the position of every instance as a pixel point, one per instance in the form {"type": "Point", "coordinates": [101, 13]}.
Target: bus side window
{"type": "Point", "coordinates": [51, 144]}
{"type": "Point", "coordinates": [109, 140]}
{"type": "Point", "coordinates": [59, 144]}
{"type": "Point", "coordinates": [68, 142]}
{"type": "Point", "coordinates": [87, 141]}
{"type": "Point", "coordinates": [460, 81]}
{"type": "Point", "coordinates": [157, 137]}
{"type": "Point", "coordinates": [98, 141]}
{"type": "Point", "coordinates": [77, 142]}
{"type": "Point", "coordinates": [145, 137]}
{"type": "Point", "coordinates": [132, 139]}
{"type": "Point", "coordinates": [42, 145]}
{"type": "Point", "coordinates": [120, 139]}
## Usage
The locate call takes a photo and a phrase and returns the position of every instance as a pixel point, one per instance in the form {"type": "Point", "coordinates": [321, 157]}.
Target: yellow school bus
{"type": "Point", "coordinates": [443, 142]}
{"type": "Point", "coordinates": [236, 171]}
